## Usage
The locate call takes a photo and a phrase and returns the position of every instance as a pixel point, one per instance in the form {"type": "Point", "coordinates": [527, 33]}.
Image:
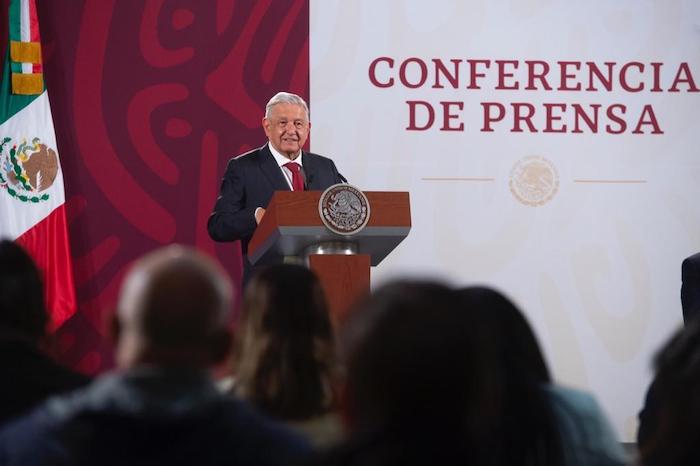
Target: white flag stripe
{"type": "Point", "coordinates": [25, 32]}
{"type": "Point", "coordinates": [32, 121]}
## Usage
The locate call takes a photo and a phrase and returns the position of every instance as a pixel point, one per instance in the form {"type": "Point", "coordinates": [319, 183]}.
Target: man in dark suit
{"type": "Point", "coordinates": [690, 288]}
{"type": "Point", "coordinates": [280, 165]}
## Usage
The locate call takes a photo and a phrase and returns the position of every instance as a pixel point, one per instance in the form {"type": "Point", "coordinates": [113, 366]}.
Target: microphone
{"type": "Point", "coordinates": [304, 178]}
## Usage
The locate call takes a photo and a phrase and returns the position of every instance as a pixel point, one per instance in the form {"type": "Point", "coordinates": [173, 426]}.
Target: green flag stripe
{"type": "Point", "coordinates": [14, 17]}
{"type": "Point", "coordinates": [15, 29]}
{"type": "Point", "coordinates": [11, 104]}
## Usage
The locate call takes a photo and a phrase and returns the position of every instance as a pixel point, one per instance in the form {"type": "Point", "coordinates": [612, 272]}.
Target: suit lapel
{"type": "Point", "coordinates": [310, 169]}
{"type": "Point", "coordinates": [268, 165]}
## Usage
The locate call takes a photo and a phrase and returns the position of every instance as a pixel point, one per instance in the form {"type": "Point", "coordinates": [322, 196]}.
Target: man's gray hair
{"type": "Point", "coordinates": [286, 98]}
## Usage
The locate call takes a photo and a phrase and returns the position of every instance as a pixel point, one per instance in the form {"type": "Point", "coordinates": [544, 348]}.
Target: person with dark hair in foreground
{"type": "Point", "coordinates": [534, 420]}
{"type": "Point", "coordinates": [28, 375]}
{"type": "Point", "coordinates": [674, 440]}
{"type": "Point", "coordinates": [519, 424]}
{"type": "Point", "coordinates": [161, 408]}
{"type": "Point", "coordinates": [408, 397]}
{"type": "Point", "coordinates": [284, 359]}
{"type": "Point", "coordinates": [437, 376]}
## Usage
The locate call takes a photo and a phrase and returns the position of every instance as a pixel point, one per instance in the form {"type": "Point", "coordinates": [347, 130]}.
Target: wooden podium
{"type": "Point", "coordinates": [292, 228]}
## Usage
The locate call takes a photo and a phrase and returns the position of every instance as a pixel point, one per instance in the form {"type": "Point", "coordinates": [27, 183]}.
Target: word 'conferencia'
{"type": "Point", "coordinates": [560, 77]}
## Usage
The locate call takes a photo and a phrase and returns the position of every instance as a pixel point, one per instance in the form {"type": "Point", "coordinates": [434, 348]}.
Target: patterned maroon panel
{"type": "Point", "coordinates": [150, 99]}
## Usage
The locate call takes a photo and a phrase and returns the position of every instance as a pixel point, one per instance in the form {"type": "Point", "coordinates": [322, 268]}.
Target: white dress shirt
{"type": "Point", "coordinates": [281, 160]}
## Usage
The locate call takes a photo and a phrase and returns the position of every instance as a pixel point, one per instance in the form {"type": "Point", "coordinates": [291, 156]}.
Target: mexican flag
{"type": "Point", "coordinates": [32, 199]}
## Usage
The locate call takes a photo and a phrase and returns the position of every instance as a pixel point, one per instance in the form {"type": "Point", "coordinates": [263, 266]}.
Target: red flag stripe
{"type": "Point", "coordinates": [33, 22]}
{"type": "Point", "coordinates": [47, 243]}
{"type": "Point", "coordinates": [34, 31]}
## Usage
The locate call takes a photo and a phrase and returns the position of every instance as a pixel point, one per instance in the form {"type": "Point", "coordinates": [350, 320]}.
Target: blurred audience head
{"type": "Point", "coordinates": [284, 357]}
{"type": "Point", "coordinates": [173, 311]}
{"type": "Point", "coordinates": [409, 365]}
{"type": "Point", "coordinates": [453, 373]}
{"type": "Point", "coordinates": [676, 436]}
{"type": "Point", "coordinates": [503, 331]}
{"type": "Point", "coordinates": [22, 309]}
{"type": "Point", "coordinates": [517, 422]}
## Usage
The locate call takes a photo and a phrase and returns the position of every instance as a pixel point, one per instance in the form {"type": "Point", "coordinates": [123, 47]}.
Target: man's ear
{"type": "Point", "coordinates": [266, 126]}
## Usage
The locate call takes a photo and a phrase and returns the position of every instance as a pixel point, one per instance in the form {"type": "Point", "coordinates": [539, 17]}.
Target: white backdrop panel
{"type": "Point", "coordinates": [596, 263]}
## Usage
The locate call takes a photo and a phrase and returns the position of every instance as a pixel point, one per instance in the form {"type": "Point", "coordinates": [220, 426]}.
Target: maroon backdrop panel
{"type": "Point", "coordinates": [150, 99]}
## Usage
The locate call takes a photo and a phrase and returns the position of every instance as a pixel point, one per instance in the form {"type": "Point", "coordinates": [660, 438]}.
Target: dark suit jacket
{"type": "Point", "coordinates": [249, 182]}
{"type": "Point", "coordinates": [151, 416]}
{"type": "Point", "coordinates": [29, 377]}
{"type": "Point", "coordinates": [690, 288]}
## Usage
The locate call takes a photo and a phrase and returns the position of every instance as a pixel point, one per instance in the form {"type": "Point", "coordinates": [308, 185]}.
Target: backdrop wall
{"type": "Point", "coordinates": [550, 149]}
{"type": "Point", "coordinates": [150, 100]}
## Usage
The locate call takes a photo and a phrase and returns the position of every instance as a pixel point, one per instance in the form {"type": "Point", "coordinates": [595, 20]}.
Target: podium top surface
{"type": "Point", "coordinates": [292, 224]}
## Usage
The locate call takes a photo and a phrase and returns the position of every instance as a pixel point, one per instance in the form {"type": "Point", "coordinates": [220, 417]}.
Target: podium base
{"type": "Point", "coordinates": [344, 278]}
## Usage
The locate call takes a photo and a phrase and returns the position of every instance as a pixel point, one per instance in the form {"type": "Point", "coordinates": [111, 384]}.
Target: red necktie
{"type": "Point", "coordinates": [297, 180]}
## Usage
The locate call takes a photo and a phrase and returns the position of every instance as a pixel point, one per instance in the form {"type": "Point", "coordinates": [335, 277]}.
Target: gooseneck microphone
{"type": "Point", "coordinates": [307, 180]}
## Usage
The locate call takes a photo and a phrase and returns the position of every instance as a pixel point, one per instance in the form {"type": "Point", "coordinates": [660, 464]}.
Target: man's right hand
{"type": "Point", "coordinates": [259, 212]}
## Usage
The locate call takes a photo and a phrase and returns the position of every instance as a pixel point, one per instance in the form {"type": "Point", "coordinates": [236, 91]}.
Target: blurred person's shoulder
{"type": "Point", "coordinates": [266, 442]}
{"type": "Point", "coordinates": [586, 432]}
{"type": "Point", "coordinates": [322, 431]}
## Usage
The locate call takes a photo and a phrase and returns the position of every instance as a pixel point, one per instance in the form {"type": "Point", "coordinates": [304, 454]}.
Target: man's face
{"type": "Point", "coordinates": [287, 128]}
